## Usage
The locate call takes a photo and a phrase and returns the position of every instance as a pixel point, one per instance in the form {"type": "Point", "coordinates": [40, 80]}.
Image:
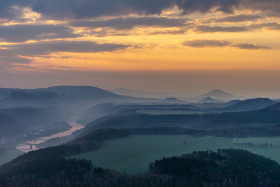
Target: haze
{"type": "Point", "coordinates": [250, 83]}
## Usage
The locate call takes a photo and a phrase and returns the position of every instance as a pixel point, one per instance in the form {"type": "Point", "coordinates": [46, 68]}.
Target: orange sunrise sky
{"type": "Point", "coordinates": [157, 45]}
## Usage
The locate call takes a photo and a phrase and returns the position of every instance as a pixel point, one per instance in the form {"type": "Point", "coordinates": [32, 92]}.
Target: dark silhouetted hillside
{"type": "Point", "coordinates": [204, 168]}
{"type": "Point", "coordinates": [82, 92]}
{"type": "Point", "coordinates": [208, 100]}
{"type": "Point", "coordinates": [249, 104]}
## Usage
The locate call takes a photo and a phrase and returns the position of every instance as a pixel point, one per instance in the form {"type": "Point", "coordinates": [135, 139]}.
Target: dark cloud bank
{"type": "Point", "coordinates": [131, 22]}
{"type": "Point", "coordinates": [222, 43]}
{"type": "Point", "coordinates": [16, 53]}
{"type": "Point", "coordinates": [22, 33]}
{"type": "Point", "coordinates": [96, 8]}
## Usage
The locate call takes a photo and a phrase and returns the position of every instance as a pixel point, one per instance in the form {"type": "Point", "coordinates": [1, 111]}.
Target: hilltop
{"type": "Point", "coordinates": [249, 104]}
{"type": "Point", "coordinates": [218, 94]}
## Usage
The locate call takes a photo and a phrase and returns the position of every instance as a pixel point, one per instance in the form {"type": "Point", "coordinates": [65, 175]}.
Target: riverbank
{"type": "Point", "coordinates": [31, 145]}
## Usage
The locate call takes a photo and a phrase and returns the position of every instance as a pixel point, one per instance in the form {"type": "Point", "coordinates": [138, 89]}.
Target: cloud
{"type": "Point", "coordinates": [222, 43]}
{"type": "Point", "coordinates": [169, 32]}
{"type": "Point", "coordinates": [269, 26]}
{"type": "Point", "coordinates": [95, 8]}
{"type": "Point", "coordinates": [15, 53]}
{"type": "Point", "coordinates": [270, 7]}
{"type": "Point", "coordinates": [131, 22]}
{"type": "Point", "coordinates": [87, 8]}
{"type": "Point", "coordinates": [213, 29]}
{"type": "Point", "coordinates": [249, 46]}
{"type": "Point", "coordinates": [43, 48]}
{"type": "Point", "coordinates": [22, 33]}
{"type": "Point", "coordinates": [237, 18]}
{"type": "Point", "coordinates": [206, 43]}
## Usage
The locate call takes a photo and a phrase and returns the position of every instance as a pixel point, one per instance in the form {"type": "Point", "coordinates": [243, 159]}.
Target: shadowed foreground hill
{"type": "Point", "coordinates": [222, 168]}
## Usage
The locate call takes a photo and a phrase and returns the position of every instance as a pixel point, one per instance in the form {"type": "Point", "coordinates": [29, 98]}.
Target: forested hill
{"type": "Point", "coordinates": [249, 104]}
{"type": "Point", "coordinates": [269, 116]}
{"type": "Point", "coordinates": [222, 168]}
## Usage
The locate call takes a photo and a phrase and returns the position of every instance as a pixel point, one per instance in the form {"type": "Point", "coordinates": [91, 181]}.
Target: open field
{"type": "Point", "coordinates": [133, 154]}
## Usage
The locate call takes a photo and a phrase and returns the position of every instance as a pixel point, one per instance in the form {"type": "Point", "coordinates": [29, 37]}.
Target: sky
{"type": "Point", "coordinates": [174, 46]}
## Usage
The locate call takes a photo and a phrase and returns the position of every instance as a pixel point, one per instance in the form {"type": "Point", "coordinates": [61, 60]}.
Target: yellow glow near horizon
{"type": "Point", "coordinates": [151, 50]}
{"type": "Point", "coordinates": [163, 58]}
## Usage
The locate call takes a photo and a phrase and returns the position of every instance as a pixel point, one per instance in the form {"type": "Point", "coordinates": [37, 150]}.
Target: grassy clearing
{"type": "Point", "coordinates": [133, 154]}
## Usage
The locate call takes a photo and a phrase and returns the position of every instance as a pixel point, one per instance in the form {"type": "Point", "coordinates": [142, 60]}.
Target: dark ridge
{"type": "Point", "coordinates": [250, 104]}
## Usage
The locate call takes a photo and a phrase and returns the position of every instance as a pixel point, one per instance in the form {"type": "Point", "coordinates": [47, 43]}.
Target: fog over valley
{"type": "Point", "coordinates": [133, 93]}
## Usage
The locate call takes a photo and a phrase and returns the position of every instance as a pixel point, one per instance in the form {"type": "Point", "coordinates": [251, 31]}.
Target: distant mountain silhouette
{"type": "Point", "coordinates": [208, 100]}
{"type": "Point", "coordinates": [218, 94]}
{"type": "Point", "coordinates": [267, 119]}
{"type": "Point", "coordinates": [70, 92]}
{"type": "Point", "coordinates": [250, 104]}
{"type": "Point", "coordinates": [5, 92]}
{"type": "Point", "coordinates": [273, 108]}
{"type": "Point", "coordinates": [28, 98]}
{"type": "Point", "coordinates": [15, 121]}
{"type": "Point", "coordinates": [36, 95]}
{"type": "Point", "coordinates": [233, 102]}
{"type": "Point", "coordinates": [172, 100]}
{"type": "Point", "coordinates": [82, 92]}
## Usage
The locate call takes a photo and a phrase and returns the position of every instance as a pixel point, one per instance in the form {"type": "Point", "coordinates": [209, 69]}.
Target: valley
{"type": "Point", "coordinates": [31, 145]}
{"type": "Point", "coordinates": [124, 135]}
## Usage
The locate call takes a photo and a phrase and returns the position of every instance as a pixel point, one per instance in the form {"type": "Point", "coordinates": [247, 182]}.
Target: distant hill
{"type": "Point", "coordinates": [109, 109]}
{"type": "Point", "coordinates": [208, 100]}
{"type": "Point", "coordinates": [15, 121]}
{"type": "Point", "coordinates": [82, 92]}
{"type": "Point", "coordinates": [72, 99]}
{"type": "Point", "coordinates": [250, 104]}
{"type": "Point", "coordinates": [28, 98]}
{"type": "Point", "coordinates": [5, 92]}
{"type": "Point", "coordinates": [273, 108]}
{"type": "Point", "coordinates": [9, 125]}
{"type": "Point", "coordinates": [172, 100]}
{"type": "Point", "coordinates": [233, 102]}
{"type": "Point", "coordinates": [218, 94]}
{"type": "Point", "coordinates": [35, 95]}
{"type": "Point", "coordinates": [78, 92]}
{"type": "Point", "coordinates": [266, 117]}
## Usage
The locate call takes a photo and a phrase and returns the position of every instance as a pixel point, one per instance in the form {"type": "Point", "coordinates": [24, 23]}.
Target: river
{"type": "Point", "coordinates": [31, 144]}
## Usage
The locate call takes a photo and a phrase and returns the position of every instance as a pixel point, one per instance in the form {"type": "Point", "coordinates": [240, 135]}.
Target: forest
{"type": "Point", "coordinates": [227, 167]}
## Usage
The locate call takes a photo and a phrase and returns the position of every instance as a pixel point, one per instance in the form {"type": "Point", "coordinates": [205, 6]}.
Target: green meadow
{"type": "Point", "coordinates": [133, 154]}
